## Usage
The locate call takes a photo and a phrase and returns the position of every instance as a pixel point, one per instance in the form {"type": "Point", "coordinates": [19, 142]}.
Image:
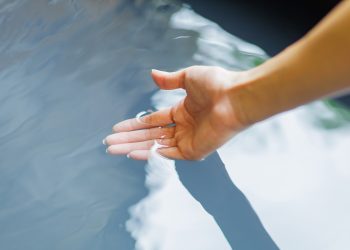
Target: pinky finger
{"type": "Point", "coordinates": [141, 155]}
{"type": "Point", "coordinates": [171, 153]}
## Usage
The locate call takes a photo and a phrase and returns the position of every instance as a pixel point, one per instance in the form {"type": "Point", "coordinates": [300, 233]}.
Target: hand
{"type": "Point", "coordinates": [220, 103]}
{"type": "Point", "coordinates": [205, 119]}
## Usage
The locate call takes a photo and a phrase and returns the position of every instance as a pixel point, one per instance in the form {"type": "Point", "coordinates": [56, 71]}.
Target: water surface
{"type": "Point", "coordinates": [70, 69]}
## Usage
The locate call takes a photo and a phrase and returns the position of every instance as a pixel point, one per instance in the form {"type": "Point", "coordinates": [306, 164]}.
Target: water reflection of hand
{"type": "Point", "coordinates": [204, 120]}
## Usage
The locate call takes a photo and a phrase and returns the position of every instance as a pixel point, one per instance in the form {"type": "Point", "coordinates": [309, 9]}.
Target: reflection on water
{"type": "Point", "coordinates": [70, 69]}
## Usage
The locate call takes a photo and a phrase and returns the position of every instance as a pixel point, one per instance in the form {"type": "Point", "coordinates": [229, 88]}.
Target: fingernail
{"type": "Point", "coordinates": [158, 71]}
{"type": "Point", "coordinates": [140, 117]}
{"type": "Point", "coordinates": [128, 156]}
{"type": "Point", "coordinates": [104, 141]}
{"type": "Point", "coordinates": [107, 152]}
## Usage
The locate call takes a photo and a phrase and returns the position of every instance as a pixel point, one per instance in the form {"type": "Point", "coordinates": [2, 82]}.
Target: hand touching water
{"type": "Point", "coordinates": [220, 103]}
{"type": "Point", "coordinates": [204, 120]}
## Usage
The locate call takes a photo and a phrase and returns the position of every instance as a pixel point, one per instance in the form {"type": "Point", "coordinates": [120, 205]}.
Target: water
{"type": "Point", "coordinates": [169, 218]}
{"type": "Point", "coordinates": [69, 70]}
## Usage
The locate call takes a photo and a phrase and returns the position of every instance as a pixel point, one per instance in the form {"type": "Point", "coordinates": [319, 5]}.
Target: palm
{"type": "Point", "coordinates": [198, 128]}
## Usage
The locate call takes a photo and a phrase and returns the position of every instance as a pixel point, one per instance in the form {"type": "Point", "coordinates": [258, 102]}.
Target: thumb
{"type": "Point", "coordinates": [169, 80]}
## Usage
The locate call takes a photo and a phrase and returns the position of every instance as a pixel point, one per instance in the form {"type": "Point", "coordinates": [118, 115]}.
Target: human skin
{"type": "Point", "coordinates": [220, 103]}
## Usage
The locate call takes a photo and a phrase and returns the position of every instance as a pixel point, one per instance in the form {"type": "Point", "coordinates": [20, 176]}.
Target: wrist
{"type": "Point", "coordinates": [255, 95]}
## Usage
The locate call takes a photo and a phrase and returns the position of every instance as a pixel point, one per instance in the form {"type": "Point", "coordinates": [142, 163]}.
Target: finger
{"type": "Point", "coordinates": [156, 119]}
{"type": "Point", "coordinates": [140, 135]}
{"type": "Point", "coordinates": [144, 154]}
{"type": "Point", "coordinates": [171, 153]}
{"type": "Point", "coordinates": [169, 80]}
{"type": "Point", "coordinates": [126, 148]}
{"type": "Point", "coordinates": [167, 142]}
{"type": "Point", "coordinates": [141, 155]}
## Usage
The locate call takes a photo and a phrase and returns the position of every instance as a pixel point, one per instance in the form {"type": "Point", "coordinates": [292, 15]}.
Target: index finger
{"type": "Point", "coordinates": [157, 119]}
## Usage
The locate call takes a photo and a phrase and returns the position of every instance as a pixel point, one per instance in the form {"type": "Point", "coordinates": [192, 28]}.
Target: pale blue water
{"type": "Point", "coordinates": [68, 71]}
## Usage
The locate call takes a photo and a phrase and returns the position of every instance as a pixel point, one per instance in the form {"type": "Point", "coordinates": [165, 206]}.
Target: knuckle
{"type": "Point", "coordinates": [167, 132]}
{"type": "Point", "coordinates": [173, 142]}
{"type": "Point", "coordinates": [150, 143]}
{"type": "Point", "coordinates": [150, 119]}
{"type": "Point", "coordinates": [145, 119]}
{"type": "Point", "coordinates": [169, 142]}
{"type": "Point", "coordinates": [152, 132]}
{"type": "Point", "coordinates": [166, 142]}
{"type": "Point", "coordinates": [148, 134]}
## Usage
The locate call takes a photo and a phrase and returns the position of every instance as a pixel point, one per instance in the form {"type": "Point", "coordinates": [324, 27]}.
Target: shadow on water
{"type": "Point", "coordinates": [209, 183]}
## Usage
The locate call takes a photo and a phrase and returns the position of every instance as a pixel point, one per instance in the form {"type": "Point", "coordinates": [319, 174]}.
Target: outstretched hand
{"type": "Point", "coordinates": [220, 103]}
{"type": "Point", "coordinates": [204, 120]}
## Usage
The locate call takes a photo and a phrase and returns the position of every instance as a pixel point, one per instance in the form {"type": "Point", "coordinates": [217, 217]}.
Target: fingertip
{"type": "Point", "coordinates": [120, 127]}
{"type": "Point", "coordinates": [107, 141]}
{"type": "Point", "coordinates": [157, 71]}
{"type": "Point", "coordinates": [169, 80]}
{"type": "Point", "coordinates": [158, 77]}
{"type": "Point", "coordinates": [115, 128]}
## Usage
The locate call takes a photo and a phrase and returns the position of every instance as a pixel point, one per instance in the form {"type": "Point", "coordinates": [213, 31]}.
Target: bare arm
{"type": "Point", "coordinates": [317, 66]}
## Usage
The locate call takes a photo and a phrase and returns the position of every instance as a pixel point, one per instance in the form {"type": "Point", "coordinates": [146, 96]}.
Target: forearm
{"type": "Point", "coordinates": [315, 67]}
